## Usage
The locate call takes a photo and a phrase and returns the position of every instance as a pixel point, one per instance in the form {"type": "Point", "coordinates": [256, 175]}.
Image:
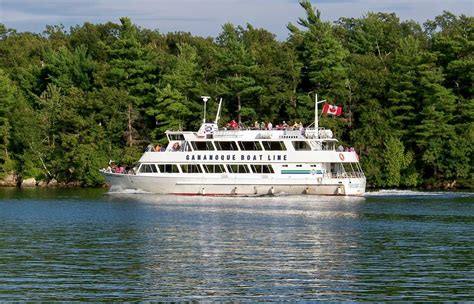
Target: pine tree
{"type": "Point", "coordinates": [323, 56]}
{"type": "Point", "coordinates": [236, 73]}
{"type": "Point", "coordinates": [176, 105]}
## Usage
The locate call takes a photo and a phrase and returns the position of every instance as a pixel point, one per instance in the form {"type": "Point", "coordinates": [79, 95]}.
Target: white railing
{"type": "Point", "coordinates": [344, 175]}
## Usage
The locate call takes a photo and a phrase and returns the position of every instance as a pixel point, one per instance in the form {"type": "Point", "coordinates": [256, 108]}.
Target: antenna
{"type": "Point", "coordinates": [218, 112]}
{"type": "Point", "coordinates": [205, 99]}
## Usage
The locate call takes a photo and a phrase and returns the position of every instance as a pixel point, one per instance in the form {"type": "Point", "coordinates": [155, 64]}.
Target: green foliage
{"type": "Point", "coordinates": [7, 100]}
{"type": "Point", "coordinates": [66, 69]}
{"type": "Point", "coordinates": [171, 111]}
{"type": "Point", "coordinates": [70, 101]}
{"type": "Point", "coordinates": [323, 56]}
{"type": "Point", "coordinates": [235, 71]}
{"type": "Point", "coordinates": [396, 160]}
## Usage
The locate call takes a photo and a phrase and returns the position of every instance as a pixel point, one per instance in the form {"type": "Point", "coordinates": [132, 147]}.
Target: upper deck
{"type": "Point", "coordinates": [264, 143]}
{"type": "Point", "coordinates": [210, 131]}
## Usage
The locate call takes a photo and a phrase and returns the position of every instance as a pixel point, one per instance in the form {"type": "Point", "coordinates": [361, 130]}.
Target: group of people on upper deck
{"type": "Point", "coordinates": [233, 125]}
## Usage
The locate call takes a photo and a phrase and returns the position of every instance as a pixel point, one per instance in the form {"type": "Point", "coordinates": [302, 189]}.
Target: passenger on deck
{"type": "Point", "coordinates": [176, 147]}
{"type": "Point", "coordinates": [150, 148]}
{"type": "Point", "coordinates": [232, 124]}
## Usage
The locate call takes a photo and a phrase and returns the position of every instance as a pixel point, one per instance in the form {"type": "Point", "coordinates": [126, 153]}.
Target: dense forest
{"type": "Point", "coordinates": [70, 100]}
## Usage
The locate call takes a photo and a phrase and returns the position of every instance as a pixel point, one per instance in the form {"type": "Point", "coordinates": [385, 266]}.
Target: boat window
{"type": "Point", "coordinates": [148, 168]}
{"type": "Point", "coordinates": [188, 168]}
{"type": "Point", "coordinates": [202, 146]}
{"type": "Point", "coordinates": [299, 166]}
{"type": "Point", "coordinates": [262, 168]}
{"type": "Point", "coordinates": [301, 145]}
{"type": "Point", "coordinates": [274, 145]}
{"type": "Point", "coordinates": [176, 136]}
{"type": "Point", "coordinates": [267, 169]}
{"type": "Point", "coordinates": [336, 168]}
{"type": "Point", "coordinates": [238, 168]}
{"type": "Point", "coordinates": [214, 168]}
{"type": "Point", "coordinates": [250, 145]}
{"type": "Point", "coordinates": [168, 168]}
{"type": "Point", "coordinates": [352, 169]}
{"type": "Point", "coordinates": [328, 146]}
{"type": "Point", "coordinates": [186, 146]}
{"type": "Point", "coordinates": [226, 145]}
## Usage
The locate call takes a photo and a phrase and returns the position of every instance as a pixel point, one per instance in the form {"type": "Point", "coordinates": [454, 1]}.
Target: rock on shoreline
{"type": "Point", "coordinates": [28, 183]}
{"type": "Point", "coordinates": [13, 181]}
{"type": "Point", "coordinates": [8, 181]}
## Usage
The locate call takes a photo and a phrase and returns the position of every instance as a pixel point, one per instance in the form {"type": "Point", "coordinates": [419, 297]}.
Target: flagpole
{"type": "Point", "coordinates": [316, 115]}
{"type": "Point", "coordinates": [316, 102]}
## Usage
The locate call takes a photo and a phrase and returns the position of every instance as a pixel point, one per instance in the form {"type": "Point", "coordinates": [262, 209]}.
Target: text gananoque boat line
{"type": "Point", "coordinates": [222, 161]}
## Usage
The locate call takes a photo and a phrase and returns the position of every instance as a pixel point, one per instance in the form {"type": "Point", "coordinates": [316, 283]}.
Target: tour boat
{"type": "Point", "coordinates": [245, 162]}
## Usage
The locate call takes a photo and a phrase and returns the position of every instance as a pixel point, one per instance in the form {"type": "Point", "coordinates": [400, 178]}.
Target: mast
{"type": "Point", "coordinates": [218, 111]}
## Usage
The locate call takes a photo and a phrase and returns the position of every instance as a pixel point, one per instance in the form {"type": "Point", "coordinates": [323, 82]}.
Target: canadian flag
{"type": "Point", "coordinates": [333, 110]}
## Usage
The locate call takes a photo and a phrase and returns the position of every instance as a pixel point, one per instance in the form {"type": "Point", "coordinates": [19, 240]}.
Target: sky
{"type": "Point", "coordinates": [206, 17]}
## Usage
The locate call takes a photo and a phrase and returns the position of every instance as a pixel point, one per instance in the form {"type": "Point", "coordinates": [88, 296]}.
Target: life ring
{"type": "Point", "coordinates": [208, 129]}
{"type": "Point", "coordinates": [341, 156]}
{"type": "Point", "coordinates": [176, 146]}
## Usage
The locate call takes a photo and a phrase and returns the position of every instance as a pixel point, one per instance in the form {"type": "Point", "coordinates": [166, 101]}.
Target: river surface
{"type": "Point", "coordinates": [87, 245]}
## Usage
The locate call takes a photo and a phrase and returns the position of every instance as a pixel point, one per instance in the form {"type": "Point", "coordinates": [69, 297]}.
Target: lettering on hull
{"type": "Point", "coordinates": [234, 157]}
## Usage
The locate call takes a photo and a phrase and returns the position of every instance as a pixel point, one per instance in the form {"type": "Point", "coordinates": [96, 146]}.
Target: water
{"type": "Point", "coordinates": [86, 245]}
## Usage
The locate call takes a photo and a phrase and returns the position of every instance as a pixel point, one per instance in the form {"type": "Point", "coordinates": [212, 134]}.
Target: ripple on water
{"type": "Point", "coordinates": [140, 247]}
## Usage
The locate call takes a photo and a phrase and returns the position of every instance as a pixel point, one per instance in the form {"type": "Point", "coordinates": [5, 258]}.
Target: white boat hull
{"type": "Point", "coordinates": [232, 185]}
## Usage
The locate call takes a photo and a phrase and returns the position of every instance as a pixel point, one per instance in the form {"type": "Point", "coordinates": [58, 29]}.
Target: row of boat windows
{"type": "Point", "coordinates": [352, 169]}
{"type": "Point", "coordinates": [240, 145]}
{"type": "Point", "coordinates": [254, 145]}
{"type": "Point", "coordinates": [206, 168]}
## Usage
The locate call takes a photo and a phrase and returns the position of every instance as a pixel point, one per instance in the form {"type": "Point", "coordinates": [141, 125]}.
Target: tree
{"type": "Point", "coordinates": [171, 111]}
{"type": "Point", "coordinates": [235, 71]}
{"type": "Point", "coordinates": [396, 160]}
{"type": "Point", "coordinates": [7, 102]}
{"type": "Point", "coordinates": [131, 65]}
{"type": "Point", "coordinates": [132, 69]}
{"type": "Point", "coordinates": [403, 97]}
{"type": "Point", "coordinates": [323, 56]}
{"type": "Point", "coordinates": [435, 130]}
{"type": "Point", "coordinates": [451, 38]}
{"type": "Point", "coordinates": [66, 69]}
{"type": "Point", "coordinates": [277, 74]}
